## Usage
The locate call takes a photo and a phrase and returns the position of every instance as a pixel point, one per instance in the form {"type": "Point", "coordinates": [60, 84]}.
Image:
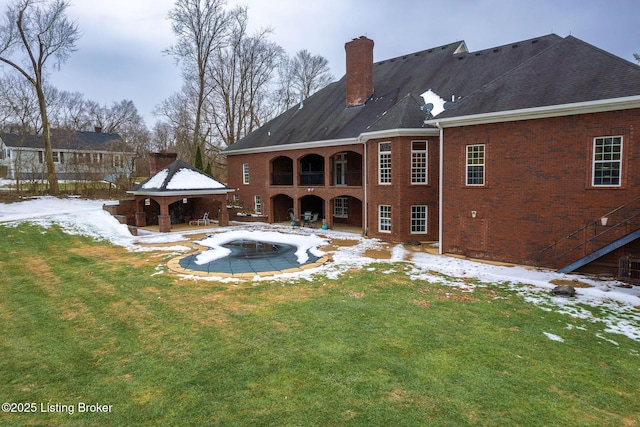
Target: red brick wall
{"type": "Point", "coordinates": [359, 71]}
{"type": "Point", "coordinates": [260, 179]}
{"type": "Point", "coordinates": [537, 184]}
{"type": "Point", "coordinates": [401, 194]}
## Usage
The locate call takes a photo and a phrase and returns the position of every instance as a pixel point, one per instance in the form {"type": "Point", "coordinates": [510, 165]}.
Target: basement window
{"type": "Point", "coordinates": [607, 161]}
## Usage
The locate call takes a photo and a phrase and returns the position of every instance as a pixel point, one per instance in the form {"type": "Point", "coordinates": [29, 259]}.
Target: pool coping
{"type": "Point", "coordinates": [174, 265]}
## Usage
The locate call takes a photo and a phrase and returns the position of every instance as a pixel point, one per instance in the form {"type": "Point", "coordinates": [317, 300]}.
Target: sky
{"type": "Point", "coordinates": [604, 303]}
{"type": "Point", "coordinates": [120, 52]}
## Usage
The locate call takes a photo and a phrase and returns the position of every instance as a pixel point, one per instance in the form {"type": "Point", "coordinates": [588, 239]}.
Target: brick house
{"type": "Point", "coordinates": [496, 154]}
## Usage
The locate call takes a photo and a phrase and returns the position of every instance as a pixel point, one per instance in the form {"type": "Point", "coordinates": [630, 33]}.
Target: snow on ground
{"type": "Point", "coordinates": [605, 302]}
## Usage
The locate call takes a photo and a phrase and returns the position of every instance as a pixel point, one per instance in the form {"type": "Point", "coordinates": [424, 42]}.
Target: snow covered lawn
{"type": "Point", "coordinates": [87, 217]}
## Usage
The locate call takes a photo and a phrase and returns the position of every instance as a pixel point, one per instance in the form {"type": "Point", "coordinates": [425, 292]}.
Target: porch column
{"type": "Point", "coordinates": [164, 219]}
{"type": "Point", "coordinates": [328, 212]}
{"type": "Point", "coordinates": [140, 215]}
{"type": "Point", "coordinates": [141, 219]}
{"type": "Point", "coordinates": [223, 215]}
{"type": "Point", "coordinates": [328, 176]}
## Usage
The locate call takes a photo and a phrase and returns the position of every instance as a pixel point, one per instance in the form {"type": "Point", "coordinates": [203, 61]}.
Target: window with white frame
{"type": "Point", "coordinates": [419, 162]}
{"type": "Point", "coordinates": [607, 161]}
{"type": "Point", "coordinates": [341, 207]}
{"type": "Point", "coordinates": [257, 205]}
{"type": "Point", "coordinates": [340, 169]}
{"type": "Point", "coordinates": [418, 219]}
{"type": "Point", "coordinates": [384, 163]}
{"type": "Point", "coordinates": [475, 164]}
{"type": "Point", "coordinates": [245, 173]}
{"type": "Point", "coordinates": [384, 218]}
{"type": "Point", "coordinates": [58, 156]}
{"type": "Point", "coordinates": [117, 160]}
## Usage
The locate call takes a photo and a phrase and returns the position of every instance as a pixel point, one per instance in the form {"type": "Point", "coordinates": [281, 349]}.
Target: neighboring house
{"type": "Point", "coordinates": [497, 154]}
{"type": "Point", "coordinates": [77, 155]}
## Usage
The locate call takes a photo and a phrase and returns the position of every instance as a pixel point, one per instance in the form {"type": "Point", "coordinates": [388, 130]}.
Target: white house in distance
{"type": "Point", "coordinates": [78, 155]}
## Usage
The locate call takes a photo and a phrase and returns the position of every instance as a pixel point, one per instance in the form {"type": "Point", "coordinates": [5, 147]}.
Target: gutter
{"type": "Point", "coordinates": [587, 107]}
{"type": "Point", "coordinates": [363, 137]}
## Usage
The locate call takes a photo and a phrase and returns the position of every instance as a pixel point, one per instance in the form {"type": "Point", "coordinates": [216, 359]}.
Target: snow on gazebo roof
{"type": "Point", "coordinates": [179, 178]}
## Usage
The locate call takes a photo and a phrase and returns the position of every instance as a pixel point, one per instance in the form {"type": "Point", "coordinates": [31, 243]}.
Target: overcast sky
{"type": "Point", "coordinates": [120, 52]}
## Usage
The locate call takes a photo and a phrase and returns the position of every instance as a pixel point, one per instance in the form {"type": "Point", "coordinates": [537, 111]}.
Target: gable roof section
{"type": "Point", "coordinates": [69, 140]}
{"type": "Point", "coordinates": [324, 117]}
{"type": "Point", "coordinates": [569, 72]}
{"type": "Point", "coordinates": [179, 178]}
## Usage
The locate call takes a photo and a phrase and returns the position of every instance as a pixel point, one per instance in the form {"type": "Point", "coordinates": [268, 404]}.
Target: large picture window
{"type": "Point", "coordinates": [419, 219]}
{"type": "Point", "coordinates": [475, 165]}
{"type": "Point", "coordinates": [419, 162]}
{"type": "Point", "coordinates": [384, 163]}
{"type": "Point", "coordinates": [384, 218]}
{"type": "Point", "coordinates": [607, 161]}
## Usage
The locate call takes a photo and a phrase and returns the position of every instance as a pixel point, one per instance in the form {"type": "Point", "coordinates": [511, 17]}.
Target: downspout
{"type": "Point", "coordinates": [440, 186]}
{"type": "Point", "coordinates": [365, 230]}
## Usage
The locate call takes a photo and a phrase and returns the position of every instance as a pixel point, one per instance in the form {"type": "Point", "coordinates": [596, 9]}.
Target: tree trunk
{"type": "Point", "coordinates": [52, 177]}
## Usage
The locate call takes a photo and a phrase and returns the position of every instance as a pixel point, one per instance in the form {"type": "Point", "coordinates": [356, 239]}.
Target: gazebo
{"type": "Point", "coordinates": [179, 193]}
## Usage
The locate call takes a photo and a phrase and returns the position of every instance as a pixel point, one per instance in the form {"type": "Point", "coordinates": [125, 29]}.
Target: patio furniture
{"type": "Point", "coordinates": [294, 220]}
{"type": "Point", "coordinates": [307, 218]}
{"type": "Point", "coordinates": [314, 219]}
{"type": "Point", "coordinates": [201, 221]}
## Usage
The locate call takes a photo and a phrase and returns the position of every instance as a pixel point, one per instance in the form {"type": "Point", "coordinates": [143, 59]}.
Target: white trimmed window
{"type": "Point", "coordinates": [245, 173]}
{"type": "Point", "coordinates": [117, 160]}
{"type": "Point", "coordinates": [257, 204]}
{"type": "Point", "coordinates": [475, 165]}
{"type": "Point", "coordinates": [607, 161]}
{"type": "Point", "coordinates": [384, 163]}
{"type": "Point", "coordinates": [419, 219]}
{"type": "Point", "coordinates": [341, 207]}
{"type": "Point", "coordinates": [384, 218]}
{"type": "Point", "coordinates": [419, 162]}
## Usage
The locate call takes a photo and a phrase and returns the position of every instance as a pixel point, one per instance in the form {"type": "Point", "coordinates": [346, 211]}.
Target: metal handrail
{"type": "Point", "coordinates": [590, 224]}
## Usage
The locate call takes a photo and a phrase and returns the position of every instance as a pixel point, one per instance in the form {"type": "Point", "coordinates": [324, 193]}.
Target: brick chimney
{"type": "Point", "coordinates": [359, 76]}
{"type": "Point", "coordinates": [159, 161]}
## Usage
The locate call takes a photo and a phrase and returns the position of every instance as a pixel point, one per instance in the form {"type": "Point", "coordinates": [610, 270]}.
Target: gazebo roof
{"type": "Point", "coordinates": [178, 179]}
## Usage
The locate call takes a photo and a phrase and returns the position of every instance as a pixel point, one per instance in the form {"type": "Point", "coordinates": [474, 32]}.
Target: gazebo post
{"type": "Point", "coordinates": [164, 219]}
{"type": "Point", "coordinates": [223, 216]}
{"type": "Point", "coordinates": [140, 214]}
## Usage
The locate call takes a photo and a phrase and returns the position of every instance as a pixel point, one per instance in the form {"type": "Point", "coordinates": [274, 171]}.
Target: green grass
{"type": "Point", "coordinates": [84, 321]}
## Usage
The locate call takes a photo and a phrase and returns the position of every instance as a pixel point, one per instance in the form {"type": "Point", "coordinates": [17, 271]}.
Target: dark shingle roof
{"type": "Point", "coordinates": [69, 140]}
{"type": "Point", "coordinates": [570, 71]}
{"type": "Point", "coordinates": [398, 82]}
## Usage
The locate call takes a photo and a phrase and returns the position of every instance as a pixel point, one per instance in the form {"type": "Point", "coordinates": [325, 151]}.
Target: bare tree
{"type": "Point", "coordinates": [240, 77]}
{"type": "Point", "coordinates": [19, 111]}
{"type": "Point", "coordinates": [309, 73]}
{"type": "Point", "coordinates": [177, 113]}
{"type": "Point", "coordinates": [67, 110]}
{"type": "Point", "coordinates": [202, 27]}
{"type": "Point", "coordinates": [40, 31]}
